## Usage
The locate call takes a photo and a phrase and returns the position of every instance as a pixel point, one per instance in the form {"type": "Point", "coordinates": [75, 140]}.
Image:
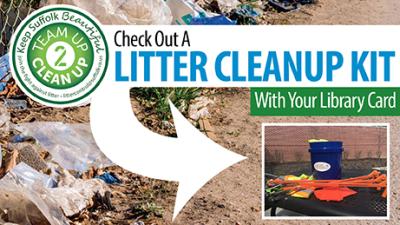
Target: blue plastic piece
{"type": "Point", "coordinates": [216, 20]}
{"type": "Point", "coordinates": [4, 71]}
{"type": "Point", "coordinates": [109, 178]}
{"type": "Point", "coordinates": [326, 159]}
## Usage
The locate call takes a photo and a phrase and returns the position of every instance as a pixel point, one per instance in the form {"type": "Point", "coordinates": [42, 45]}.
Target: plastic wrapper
{"type": "Point", "coordinates": [78, 195]}
{"type": "Point", "coordinates": [72, 146]}
{"type": "Point", "coordinates": [25, 198]}
{"type": "Point", "coordinates": [4, 71]}
{"type": "Point", "coordinates": [228, 5]}
{"type": "Point", "coordinates": [140, 12]}
{"type": "Point", "coordinates": [183, 11]}
{"type": "Point", "coordinates": [31, 198]}
{"type": "Point", "coordinates": [27, 177]}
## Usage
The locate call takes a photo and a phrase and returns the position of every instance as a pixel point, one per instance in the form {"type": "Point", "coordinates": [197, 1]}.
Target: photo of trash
{"type": "Point", "coordinates": [52, 171]}
{"type": "Point", "coordinates": [326, 171]}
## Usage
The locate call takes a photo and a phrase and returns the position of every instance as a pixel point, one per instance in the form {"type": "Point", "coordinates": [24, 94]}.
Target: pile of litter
{"type": "Point", "coordinates": [288, 5]}
{"type": "Point", "coordinates": [56, 171]}
{"type": "Point", "coordinates": [183, 12]}
{"type": "Point", "coordinates": [48, 159]}
{"type": "Point", "coordinates": [8, 87]}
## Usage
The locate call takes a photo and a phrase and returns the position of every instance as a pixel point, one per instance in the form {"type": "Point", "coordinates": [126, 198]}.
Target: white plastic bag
{"type": "Point", "coordinates": [31, 197]}
{"type": "Point", "coordinates": [78, 195]}
{"type": "Point", "coordinates": [228, 5]}
{"type": "Point", "coordinates": [23, 194]}
{"type": "Point", "coordinates": [72, 146]}
{"type": "Point", "coordinates": [133, 12]}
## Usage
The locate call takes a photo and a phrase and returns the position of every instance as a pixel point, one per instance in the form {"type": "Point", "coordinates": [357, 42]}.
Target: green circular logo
{"type": "Point", "coordinates": [59, 56]}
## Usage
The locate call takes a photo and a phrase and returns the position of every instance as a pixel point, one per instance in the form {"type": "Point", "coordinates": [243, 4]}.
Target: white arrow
{"type": "Point", "coordinates": [192, 159]}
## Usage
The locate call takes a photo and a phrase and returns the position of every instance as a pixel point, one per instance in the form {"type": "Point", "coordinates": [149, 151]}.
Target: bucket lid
{"type": "Point", "coordinates": [330, 146]}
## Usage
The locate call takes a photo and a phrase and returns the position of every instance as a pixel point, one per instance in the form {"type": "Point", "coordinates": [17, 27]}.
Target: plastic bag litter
{"type": "Point", "coordinates": [24, 196]}
{"type": "Point", "coordinates": [140, 12]}
{"type": "Point", "coordinates": [78, 194]}
{"type": "Point", "coordinates": [183, 11]}
{"type": "Point", "coordinates": [5, 74]}
{"type": "Point", "coordinates": [72, 146]}
{"type": "Point", "coordinates": [27, 176]}
{"type": "Point", "coordinates": [228, 5]}
{"type": "Point", "coordinates": [15, 104]}
{"type": "Point", "coordinates": [216, 20]}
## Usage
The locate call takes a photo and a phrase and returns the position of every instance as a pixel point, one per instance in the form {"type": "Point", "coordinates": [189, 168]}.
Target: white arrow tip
{"type": "Point", "coordinates": [205, 159]}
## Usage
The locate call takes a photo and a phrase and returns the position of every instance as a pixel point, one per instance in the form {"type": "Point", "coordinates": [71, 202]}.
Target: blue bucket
{"type": "Point", "coordinates": [326, 159]}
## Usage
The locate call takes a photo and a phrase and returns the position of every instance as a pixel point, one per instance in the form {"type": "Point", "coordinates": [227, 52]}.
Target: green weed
{"type": "Point", "coordinates": [157, 99]}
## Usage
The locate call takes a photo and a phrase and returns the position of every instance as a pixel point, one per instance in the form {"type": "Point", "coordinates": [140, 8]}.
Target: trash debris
{"type": "Point", "coordinates": [15, 104]}
{"type": "Point", "coordinates": [28, 176]}
{"type": "Point", "coordinates": [103, 201]}
{"type": "Point", "coordinates": [167, 125]}
{"type": "Point", "coordinates": [199, 109]}
{"type": "Point", "coordinates": [216, 20]}
{"type": "Point", "coordinates": [207, 129]}
{"type": "Point", "coordinates": [10, 161]}
{"type": "Point", "coordinates": [30, 154]}
{"type": "Point", "coordinates": [244, 15]}
{"type": "Point", "coordinates": [5, 74]}
{"type": "Point", "coordinates": [4, 118]}
{"type": "Point", "coordinates": [21, 195]}
{"type": "Point", "coordinates": [228, 5]}
{"type": "Point", "coordinates": [132, 12]}
{"type": "Point", "coordinates": [65, 142]}
{"type": "Point", "coordinates": [288, 5]}
{"type": "Point", "coordinates": [109, 178]}
{"type": "Point", "coordinates": [138, 223]}
{"type": "Point", "coordinates": [21, 138]}
{"type": "Point", "coordinates": [183, 11]}
{"type": "Point", "coordinates": [283, 5]}
{"type": "Point", "coordinates": [8, 87]}
{"type": "Point", "coordinates": [75, 195]}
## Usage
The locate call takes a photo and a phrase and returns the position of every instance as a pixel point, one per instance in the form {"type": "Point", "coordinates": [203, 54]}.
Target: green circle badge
{"type": "Point", "coordinates": [59, 56]}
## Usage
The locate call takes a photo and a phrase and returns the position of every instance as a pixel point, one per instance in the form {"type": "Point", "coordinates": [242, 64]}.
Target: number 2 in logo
{"type": "Point", "coordinates": [63, 51]}
{"type": "Point", "coordinates": [60, 56]}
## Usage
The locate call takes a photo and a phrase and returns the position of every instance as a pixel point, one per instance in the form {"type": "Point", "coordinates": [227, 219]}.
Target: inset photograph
{"type": "Point", "coordinates": [325, 170]}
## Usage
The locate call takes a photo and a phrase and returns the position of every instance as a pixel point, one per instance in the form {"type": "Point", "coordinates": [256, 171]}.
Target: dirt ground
{"type": "Point", "coordinates": [335, 12]}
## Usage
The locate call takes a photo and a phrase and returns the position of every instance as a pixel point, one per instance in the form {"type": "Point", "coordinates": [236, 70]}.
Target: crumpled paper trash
{"type": "Point", "coordinates": [199, 108]}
